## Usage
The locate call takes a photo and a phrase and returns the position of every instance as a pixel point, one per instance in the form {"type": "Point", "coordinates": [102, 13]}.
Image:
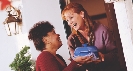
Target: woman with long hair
{"type": "Point", "coordinates": [85, 30]}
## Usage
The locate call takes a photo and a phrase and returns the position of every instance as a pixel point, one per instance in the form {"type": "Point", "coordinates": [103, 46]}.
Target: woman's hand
{"type": "Point", "coordinates": [83, 59]}
{"type": "Point", "coordinates": [101, 58]}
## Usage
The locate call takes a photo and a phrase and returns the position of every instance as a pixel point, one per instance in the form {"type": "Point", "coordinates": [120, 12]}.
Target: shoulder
{"type": "Point", "coordinates": [59, 56]}
{"type": "Point", "coordinates": [100, 28]}
{"type": "Point", "coordinates": [45, 54]}
{"type": "Point", "coordinates": [71, 37]}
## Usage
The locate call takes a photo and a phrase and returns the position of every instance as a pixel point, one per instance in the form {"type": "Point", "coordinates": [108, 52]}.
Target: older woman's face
{"type": "Point", "coordinates": [75, 20]}
{"type": "Point", "coordinates": [54, 39]}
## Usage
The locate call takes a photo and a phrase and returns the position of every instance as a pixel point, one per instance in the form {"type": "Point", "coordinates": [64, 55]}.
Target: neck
{"type": "Point", "coordinates": [51, 50]}
{"type": "Point", "coordinates": [84, 30]}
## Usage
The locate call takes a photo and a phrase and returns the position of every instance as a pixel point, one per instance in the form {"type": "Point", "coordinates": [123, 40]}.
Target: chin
{"type": "Point", "coordinates": [75, 29]}
{"type": "Point", "coordinates": [61, 45]}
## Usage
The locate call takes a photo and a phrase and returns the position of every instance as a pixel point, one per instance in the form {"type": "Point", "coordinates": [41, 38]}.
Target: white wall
{"type": "Point", "coordinates": [33, 11]}
{"type": "Point", "coordinates": [124, 15]}
{"type": "Point", "coordinates": [44, 10]}
{"type": "Point", "coordinates": [8, 45]}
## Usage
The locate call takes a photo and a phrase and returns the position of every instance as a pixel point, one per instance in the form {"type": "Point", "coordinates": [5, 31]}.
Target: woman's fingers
{"type": "Point", "coordinates": [83, 59]}
{"type": "Point", "coordinates": [97, 61]}
{"type": "Point", "coordinates": [87, 59]}
{"type": "Point", "coordinates": [101, 56]}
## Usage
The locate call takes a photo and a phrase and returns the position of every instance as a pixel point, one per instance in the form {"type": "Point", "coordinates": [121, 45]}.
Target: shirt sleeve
{"type": "Point", "coordinates": [73, 42]}
{"type": "Point", "coordinates": [111, 51]}
{"type": "Point", "coordinates": [47, 62]}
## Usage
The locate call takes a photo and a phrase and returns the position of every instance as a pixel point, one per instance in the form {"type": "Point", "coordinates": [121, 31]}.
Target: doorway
{"type": "Point", "coordinates": [103, 13]}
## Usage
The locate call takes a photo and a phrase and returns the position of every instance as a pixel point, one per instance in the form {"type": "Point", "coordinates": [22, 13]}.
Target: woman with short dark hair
{"type": "Point", "coordinates": [48, 42]}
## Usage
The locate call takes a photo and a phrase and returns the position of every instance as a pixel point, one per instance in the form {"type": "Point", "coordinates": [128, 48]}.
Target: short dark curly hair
{"type": "Point", "coordinates": [38, 31]}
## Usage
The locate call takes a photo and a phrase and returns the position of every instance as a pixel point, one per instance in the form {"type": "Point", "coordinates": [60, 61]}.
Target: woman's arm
{"type": "Point", "coordinates": [110, 55]}
{"type": "Point", "coordinates": [47, 62]}
{"type": "Point", "coordinates": [73, 42]}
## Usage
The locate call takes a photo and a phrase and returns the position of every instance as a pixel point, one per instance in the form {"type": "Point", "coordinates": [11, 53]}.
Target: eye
{"type": "Point", "coordinates": [53, 32]}
{"type": "Point", "coordinates": [71, 17]}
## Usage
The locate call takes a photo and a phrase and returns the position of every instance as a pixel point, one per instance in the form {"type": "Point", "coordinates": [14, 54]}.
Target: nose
{"type": "Point", "coordinates": [58, 34]}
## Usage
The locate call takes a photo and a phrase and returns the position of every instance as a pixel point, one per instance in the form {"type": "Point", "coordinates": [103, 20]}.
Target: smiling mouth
{"type": "Point", "coordinates": [59, 39]}
{"type": "Point", "coordinates": [74, 24]}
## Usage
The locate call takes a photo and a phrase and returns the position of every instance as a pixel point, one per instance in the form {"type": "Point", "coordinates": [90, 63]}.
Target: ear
{"type": "Point", "coordinates": [44, 39]}
{"type": "Point", "coordinates": [82, 14]}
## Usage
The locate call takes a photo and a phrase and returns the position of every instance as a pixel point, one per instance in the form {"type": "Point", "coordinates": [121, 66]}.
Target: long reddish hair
{"type": "Point", "coordinates": [77, 8]}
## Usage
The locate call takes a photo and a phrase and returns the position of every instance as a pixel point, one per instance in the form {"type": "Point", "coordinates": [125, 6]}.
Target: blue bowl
{"type": "Point", "coordinates": [86, 50]}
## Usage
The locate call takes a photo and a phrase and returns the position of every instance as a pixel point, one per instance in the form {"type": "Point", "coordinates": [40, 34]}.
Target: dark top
{"type": "Point", "coordinates": [48, 62]}
{"type": "Point", "coordinates": [105, 44]}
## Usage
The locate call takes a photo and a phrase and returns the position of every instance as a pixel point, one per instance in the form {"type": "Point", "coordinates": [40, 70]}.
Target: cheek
{"type": "Point", "coordinates": [81, 21]}
{"type": "Point", "coordinates": [70, 24]}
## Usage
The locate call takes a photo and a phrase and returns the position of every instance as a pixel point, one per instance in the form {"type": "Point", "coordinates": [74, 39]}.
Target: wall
{"type": "Point", "coordinates": [32, 11]}
{"type": "Point", "coordinates": [39, 10]}
{"type": "Point", "coordinates": [94, 7]}
{"type": "Point", "coordinates": [8, 45]}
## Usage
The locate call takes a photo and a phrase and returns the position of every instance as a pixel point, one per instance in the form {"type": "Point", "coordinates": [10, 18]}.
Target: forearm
{"type": "Point", "coordinates": [71, 51]}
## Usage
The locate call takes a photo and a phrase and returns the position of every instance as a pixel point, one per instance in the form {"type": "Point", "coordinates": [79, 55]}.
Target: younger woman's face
{"type": "Point", "coordinates": [75, 20]}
